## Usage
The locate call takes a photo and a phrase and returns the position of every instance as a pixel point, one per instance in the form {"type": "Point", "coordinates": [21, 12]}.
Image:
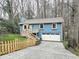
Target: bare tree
{"type": "Point", "coordinates": [29, 12]}
{"type": "Point", "coordinates": [38, 9]}
{"type": "Point", "coordinates": [55, 5]}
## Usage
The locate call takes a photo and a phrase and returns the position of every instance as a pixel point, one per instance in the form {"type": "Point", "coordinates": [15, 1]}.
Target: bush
{"type": "Point", "coordinates": [66, 44]}
{"type": "Point", "coordinates": [38, 42]}
{"type": "Point", "coordinates": [3, 30]}
{"type": "Point", "coordinates": [11, 27]}
{"type": "Point", "coordinates": [72, 43]}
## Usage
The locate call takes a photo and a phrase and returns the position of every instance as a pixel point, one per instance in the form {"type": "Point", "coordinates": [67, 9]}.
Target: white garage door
{"type": "Point", "coordinates": [51, 37]}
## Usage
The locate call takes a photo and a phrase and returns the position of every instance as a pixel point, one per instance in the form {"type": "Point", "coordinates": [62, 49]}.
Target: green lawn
{"type": "Point", "coordinates": [8, 37]}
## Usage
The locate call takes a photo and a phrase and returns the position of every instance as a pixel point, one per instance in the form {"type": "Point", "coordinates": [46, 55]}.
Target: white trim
{"type": "Point", "coordinates": [55, 24]}
{"type": "Point", "coordinates": [61, 32]}
{"type": "Point", "coordinates": [23, 27]}
{"type": "Point", "coordinates": [30, 27]}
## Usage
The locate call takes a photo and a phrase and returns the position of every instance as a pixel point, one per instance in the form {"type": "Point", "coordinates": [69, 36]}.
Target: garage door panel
{"type": "Point", "coordinates": [46, 37]}
{"type": "Point", "coordinates": [55, 37]}
{"type": "Point", "coordinates": [51, 37]}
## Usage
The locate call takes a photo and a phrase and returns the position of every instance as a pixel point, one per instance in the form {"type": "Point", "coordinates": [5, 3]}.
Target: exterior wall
{"type": "Point", "coordinates": [47, 28]}
{"type": "Point", "coordinates": [22, 19]}
{"type": "Point", "coordinates": [22, 30]}
{"type": "Point", "coordinates": [59, 27]}
{"type": "Point", "coordinates": [21, 24]}
{"type": "Point", "coordinates": [35, 28]}
{"type": "Point", "coordinates": [21, 27]}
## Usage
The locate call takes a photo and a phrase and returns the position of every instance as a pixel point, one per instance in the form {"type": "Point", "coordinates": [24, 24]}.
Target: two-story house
{"type": "Point", "coordinates": [45, 29]}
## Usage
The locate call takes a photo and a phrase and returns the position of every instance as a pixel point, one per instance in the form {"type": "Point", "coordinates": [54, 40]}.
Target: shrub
{"type": "Point", "coordinates": [66, 44]}
{"type": "Point", "coordinates": [3, 30]}
{"type": "Point", "coordinates": [10, 26]}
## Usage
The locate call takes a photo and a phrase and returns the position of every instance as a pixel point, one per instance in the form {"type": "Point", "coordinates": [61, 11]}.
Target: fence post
{"type": "Point", "coordinates": [16, 44]}
{"type": "Point", "coordinates": [13, 43]}
{"type": "Point", "coordinates": [5, 44]}
{"type": "Point", "coordinates": [0, 48]}
{"type": "Point", "coordinates": [11, 46]}
{"type": "Point", "coordinates": [3, 49]}
{"type": "Point", "coordinates": [8, 44]}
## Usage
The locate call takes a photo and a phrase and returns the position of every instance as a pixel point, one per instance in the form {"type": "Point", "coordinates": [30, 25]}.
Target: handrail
{"type": "Point", "coordinates": [31, 34]}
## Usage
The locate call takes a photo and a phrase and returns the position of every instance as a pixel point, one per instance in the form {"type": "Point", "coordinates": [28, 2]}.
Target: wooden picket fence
{"type": "Point", "coordinates": [11, 46]}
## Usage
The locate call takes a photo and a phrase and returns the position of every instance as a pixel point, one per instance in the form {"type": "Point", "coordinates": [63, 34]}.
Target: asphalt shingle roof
{"type": "Point", "coordinates": [45, 20]}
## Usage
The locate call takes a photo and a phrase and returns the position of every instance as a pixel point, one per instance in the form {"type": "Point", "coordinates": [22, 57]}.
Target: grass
{"type": "Point", "coordinates": [7, 37]}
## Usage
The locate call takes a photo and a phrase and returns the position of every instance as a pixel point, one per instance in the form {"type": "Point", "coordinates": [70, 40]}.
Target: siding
{"type": "Point", "coordinates": [22, 19]}
{"type": "Point", "coordinates": [35, 27]}
{"type": "Point", "coordinates": [21, 28]}
{"type": "Point", "coordinates": [58, 27]}
{"type": "Point", "coordinates": [47, 28]}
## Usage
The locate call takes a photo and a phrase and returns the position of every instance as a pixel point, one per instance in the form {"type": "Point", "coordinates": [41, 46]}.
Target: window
{"type": "Point", "coordinates": [21, 24]}
{"type": "Point", "coordinates": [24, 26]}
{"type": "Point", "coordinates": [54, 26]}
{"type": "Point", "coordinates": [41, 25]}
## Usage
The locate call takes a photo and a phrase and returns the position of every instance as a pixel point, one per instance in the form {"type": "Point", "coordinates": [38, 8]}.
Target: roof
{"type": "Point", "coordinates": [47, 20]}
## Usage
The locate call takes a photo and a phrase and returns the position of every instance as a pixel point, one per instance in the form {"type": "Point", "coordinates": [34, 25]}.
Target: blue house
{"type": "Point", "coordinates": [45, 29]}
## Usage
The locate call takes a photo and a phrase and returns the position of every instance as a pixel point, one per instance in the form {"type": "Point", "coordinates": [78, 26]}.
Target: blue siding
{"type": "Point", "coordinates": [48, 29]}
{"type": "Point", "coordinates": [58, 27]}
{"type": "Point", "coordinates": [35, 26]}
{"type": "Point", "coordinates": [21, 28]}
{"type": "Point", "coordinates": [22, 19]}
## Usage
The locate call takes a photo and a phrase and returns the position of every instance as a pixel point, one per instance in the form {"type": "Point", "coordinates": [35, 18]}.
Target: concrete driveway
{"type": "Point", "coordinates": [46, 50]}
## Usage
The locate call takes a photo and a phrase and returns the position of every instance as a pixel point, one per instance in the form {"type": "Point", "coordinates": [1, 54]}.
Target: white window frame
{"type": "Point", "coordinates": [30, 26]}
{"type": "Point", "coordinates": [55, 27]}
{"type": "Point", "coordinates": [23, 27]}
